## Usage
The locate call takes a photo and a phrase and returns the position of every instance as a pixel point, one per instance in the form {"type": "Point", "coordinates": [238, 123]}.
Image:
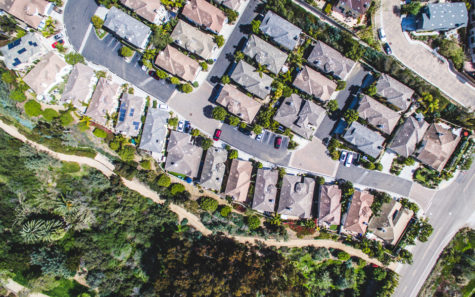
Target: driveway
{"type": "Point", "coordinates": [77, 16]}
{"type": "Point", "coordinates": [421, 60]}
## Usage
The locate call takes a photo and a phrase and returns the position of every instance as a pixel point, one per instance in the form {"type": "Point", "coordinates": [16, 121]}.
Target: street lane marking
{"type": "Point", "coordinates": [84, 41]}
{"type": "Point", "coordinates": [468, 184]}
{"type": "Point", "coordinates": [145, 81]}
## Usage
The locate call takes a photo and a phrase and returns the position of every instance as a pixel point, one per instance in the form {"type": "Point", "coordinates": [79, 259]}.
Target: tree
{"type": "Point", "coordinates": [208, 204]}
{"type": "Point", "coordinates": [161, 74]}
{"type": "Point", "coordinates": [343, 256]}
{"type": "Point", "coordinates": [8, 77]}
{"type": "Point", "coordinates": [84, 123]}
{"type": "Point", "coordinates": [204, 66]}
{"type": "Point", "coordinates": [219, 113]}
{"type": "Point", "coordinates": [347, 188]}
{"type": "Point", "coordinates": [97, 22]}
{"type": "Point", "coordinates": [255, 24]}
{"type": "Point", "coordinates": [32, 108]}
{"type": "Point", "coordinates": [341, 84]}
{"type": "Point", "coordinates": [428, 101]}
{"type": "Point", "coordinates": [233, 154]}
{"type": "Point", "coordinates": [242, 125]}
{"type": "Point", "coordinates": [174, 80]}
{"type": "Point", "coordinates": [253, 222]}
{"type": "Point", "coordinates": [74, 58]}
{"type": "Point", "coordinates": [219, 40]}
{"type": "Point", "coordinates": [225, 210]}
{"type": "Point", "coordinates": [320, 180]}
{"type": "Point", "coordinates": [186, 88]}
{"type": "Point", "coordinates": [146, 164]}
{"type": "Point", "coordinates": [126, 51]}
{"type": "Point", "coordinates": [238, 56]}
{"type": "Point", "coordinates": [257, 129]}
{"type": "Point", "coordinates": [234, 121]}
{"type": "Point", "coordinates": [52, 262]}
{"type": "Point", "coordinates": [66, 118]}
{"type": "Point", "coordinates": [195, 132]}
{"type": "Point", "coordinates": [176, 188]}
{"type": "Point", "coordinates": [451, 49]}
{"type": "Point", "coordinates": [173, 122]}
{"type": "Point", "coordinates": [275, 219]}
{"type": "Point", "coordinates": [372, 90]}
{"type": "Point", "coordinates": [225, 80]}
{"type": "Point", "coordinates": [127, 153]}
{"type": "Point", "coordinates": [261, 69]}
{"type": "Point", "coordinates": [17, 95]}
{"type": "Point", "coordinates": [425, 230]}
{"type": "Point", "coordinates": [164, 180]}
{"type": "Point", "coordinates": [278, 89]}
{"type": "Point", "coordinates": [350, 116]}
{"type": "Point", "coordinates": [99, 133]}
{"type": "Point", "coordinates": [328, 9]}
{"type": "Point", "coordinates": [412, 8]}
{"type": "Point", "coordinates": [332, 105]}
{"type": "Point", "coordinates": [231, 15]}
{"type": "Point", "coordinates": [206, 143]}
{"type": "Point", "coordinates": [49, 114]}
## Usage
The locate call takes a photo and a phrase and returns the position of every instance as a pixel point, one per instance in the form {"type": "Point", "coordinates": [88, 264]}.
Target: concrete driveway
{"type": "Point", "coordinates": [421, 60]}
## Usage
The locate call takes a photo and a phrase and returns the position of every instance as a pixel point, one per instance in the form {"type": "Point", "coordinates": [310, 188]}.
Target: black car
{"type": "Point", "coordinates": [387, 49]}
{"type": "Point", "coordinates": [244, 131]}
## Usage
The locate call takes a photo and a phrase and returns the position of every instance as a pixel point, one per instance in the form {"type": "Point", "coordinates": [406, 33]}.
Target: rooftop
{"type": "Point", "coordinates": [360, 6]}
{"type": "Point", "coordinates": [43, 76]}
{"type": "Point", "coordinates": [314, 83]}
{"type": "Point", "coordinates": [238, 103]}
{"type": "Point", "coordinates": [378, 115]}
{"type": "Point", "coordinates": [21, 52]}
{"type": "Point", "coordinates": [239, 180]}
{"type": "Point", "coordinates": [248, 77]}
{"type": "Point", "coordinates": [78, 89]}
{"type": "Point", "coordinates": [390, 224]}
{"type": "Point", "coordinates": [265, 54]}
{"type": "Point", "coordinates": [359, 213]}
{"type": "Point", "coordinates": [232, 4]}
{"type": "Point", "coordinates": [103, 102]}
{"type": "Point", "coordinates": [282, 31]}
{"type": "Point", "coordinates": [182, 156]}
{"type": "Point", "coordinates": [29, 11]}
{"type": "Point", "coordinates": [213, 168]}
{"type": "Point", "coordinates": [193, 40]}
{"type": "Point", "coordinates": [395, 92]}
{"type": "Point", "coordinates": [265, 192]}
{"type": "Point", "coordinates": [329, 60]}
{"type": "Point", "coordinates": [154, 131]}
{"type": "Point", "coordinates": [131, 110]}
{"type": "Point", "coordinates": [329, 205]}
{"type": "Point", "coordinates": [296, 196]}
{"type": "Point", "coordinates": [443, 16]}
{"type": "Point", "coordinates": [408, 136]}
{"type": "Point", "coordinates": [150, 10]}
{"type": "Point", "coordinates": [365, 139]}
{"type": "Point", "coordinates": [177, 63]}
{"type": "Point", "coordinates": [204, 13]}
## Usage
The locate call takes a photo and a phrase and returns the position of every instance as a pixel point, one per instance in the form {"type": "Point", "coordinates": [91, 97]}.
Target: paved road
{"type": "Point", "coordinates": [451, 209]}
{"type": "Point", "coordinates": [77, 17]}
{"type": "Point", "coordinates": [420, 60]}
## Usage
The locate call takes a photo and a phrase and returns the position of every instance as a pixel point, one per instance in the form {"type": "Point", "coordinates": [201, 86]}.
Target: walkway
{"type": "Point", "coordinates": [16, 288]}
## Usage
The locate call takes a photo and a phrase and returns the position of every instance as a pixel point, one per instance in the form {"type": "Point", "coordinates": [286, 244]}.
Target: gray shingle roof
{"type": "Point", "coordinates": [19, 53]}
{"type": "Point", "coordinates": [78, 88]}
{"type": "Point", "coordinates": [365, 139]}
{"type": "Point", "coordinates": [183, 156]}
{"type": "Point", "coordinates": [265, 54]}
{"type": "Point", "coordinates": [127, 28]}
{"type": "Point", "coordinates": [408, 136]}
{"type": "Point", "coordinates": [214, 168]}
{"type": "Point", "coordinates": [443, 16]}
{"type": "Point", "coordinates": [154, 130]}
{"type": "Point", "coordinates": [265, 191]}
{"type": "Point", "coordinates": [103, 102]}
{"type": "Point", "coordinates": [130, 115]}
{"type": "Point", "coordinates": [329, 205]}
{"type": "Point", "coordinates": [282, 31]}
{"type": "Point", "coordinates": [296, 196]}
{"type": "Point", "coordinates": [329, 60]}
{"type": "Point", "coordinates": [314, 83]}
{"type": "Point", "coordinates": [247, 76]}
{"type": "Point", "coordinates": [238, 103]}
{"type": "Point", "coordinates": [391, 222]}
{"type": "Point", "coordinates": [394, 91]}
{"type": "Point", "coordinates": [300, 115]}
{"type": "Point", "coordinates": [378, 115]}
{"type": "Point", "coordinates": [193, 40]}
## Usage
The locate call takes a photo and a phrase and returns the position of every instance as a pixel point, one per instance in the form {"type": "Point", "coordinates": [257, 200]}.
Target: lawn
{"type": "Point", "coordinates": [68, 288]}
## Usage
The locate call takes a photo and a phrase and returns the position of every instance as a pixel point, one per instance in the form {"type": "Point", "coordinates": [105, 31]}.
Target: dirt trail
{"type": "Point", "coordinates": [182, 213]}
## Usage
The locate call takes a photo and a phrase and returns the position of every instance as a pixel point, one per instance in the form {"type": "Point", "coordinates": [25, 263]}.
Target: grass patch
{"type": "Point", "coordinates": [179, 175]}
{"type": "Point", "coordinates": [70, 167]}
{"type": "Point", "coordinates": [68, 288]}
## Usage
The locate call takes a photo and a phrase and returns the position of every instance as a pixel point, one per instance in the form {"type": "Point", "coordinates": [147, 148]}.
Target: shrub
{"type": "Point", "coordinates": [8, 77]}
{"type": "Point", "coordinates": [253, 222]}
{"type": "Point", "coordinates": [341, 84]}
{"type": "Point", "coordinates": [186, 88]}
{"type": "Point", "coordinates": [146, 164]}
{"type": "Point", "coordinates": [219, 113]}
{"type": "Point", "coordinates": [99, 133]}
{"type": "Point", "coordinates": [32, 108]}
{"type": "Point", "coordinates": [233, 154]}
{"type": "Point", "coordinates": [174, 80]}
{"type": "Point", "coordinates": [164, 180]}
{"type": "Point", "coordinates": [219, 40]}
{"type": "Point", "coordinates": [204, 66]}
{"type": "Point", "coordinates": [350, 116]}
{"type": "Point", "coordinates": [379, 166]}
{"type": "Point", "coordinates": [234, 121]}
{"type": "Point", "coordinates": [177, 188]}
{"type": "Point", "coordinates": [73, 58]}
{"type": "Point", "coordinates": [49, 114]}
{"type": "Point", "coordinates": [97, 22]}
{"type": "Point", "coordinates": [17, 95]}
{"type": "Point", "coordinates": [320, 180]}
{"type": "Point", "coordinates": [66, 118]}
{"type": "Point", "coordinates": [173, 122]}
{"type": "Point", "coordinates": [206, 143]}
{"type": "Point", "coordinates": [70, 167]}
{"type": "Point", "coordinates": [126, 51]}
{"type": "Point", "coordinates": [208, 204]}
{"type": "Point", "coordinates": [242, 125]}
{"type": "Point", "coordinates": [332, 105]}
{"type": "Point", "coordinates": [225, 79]}
{"type": "Point", "coordinates": [195, 132]}
{"type": "Point", "coordinates": [257, 129]}
{"type": "Point", "coordinates": [231, 15]}
{"type": "Point", "coordinates": [255, 24]}
{"type": "Point", "coordinates": [127, 153]}
{"type": "Point", "coordinates": [343, 256]}
{"type": "Point", "coordinates": [225, 210]}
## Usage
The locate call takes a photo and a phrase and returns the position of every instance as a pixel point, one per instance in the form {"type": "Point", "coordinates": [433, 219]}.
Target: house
{"type": "Point", "coordinates": [79, 88]}
{"type": "Point", "coordinates": [442, 17]}
{"type": "Point", "coordinates": [232, 4]}
{"type": "Point", "coordinates": [353, 8]}
{"type": "Point", "coordinates": [394, 92]}
{"type": "Point", "coordinates": [378, 115]}
{"type": "Point", "coordinates": [265, 192]}
{"type": "Point", "coordinates": [154, 132]}
{"type": "Point", "coordinates": [19, 54]}
{"type": "Point", "coordinates": [131, 110]}
{"type": "Point", "coordinates": [254, 82]}
{"type": "Point", "coordinates": [330, 61]}
{"type": "Point", "coordinates": [193, 40]}
{"type": "Point", "coordinates": [280, 30]}
{"type": "Point", "coordinates": [213, 168]}
{"type": "Point", "coordinates": [329, 205]}
{"type": "Point", "coordinates": [103, 103]}
{"type": "Point", "coordinates": [203, 13]}
{"type": "Point", "coordinates": [150, 10]}
{"type": "Point", "coordinates": [239, 180]}
{"type": "Point", "coordinates": [359, 213]}
{"type": "Point", "coordinates": [127, 28]}
{"type": "Point", "coordinates": [183, 156]}
{"type": "Point", "coordinates": [238, 103]}
{"type": "Point", "coordinates": [31, 12]}
{"type": "Point", "coordinates": [299, 115]}
{"type": "Point", "coordinates": [408, 136]}
{"type": "Point", "coordinates": [296, 197]}
{"type": "Point", "coordinates": [390, 224]}
{"type": "Point", "coordinates": [47, 73]}
{"type": "Point", "coordinates": [176, 63]}
{"type": "Point", "coordinates": [471, 38]}
{"type": "Point", "coordinates": [364, 139]}
{"type": "Point", "coordinates": [265, 54]}
{"type": "Point", "coordinates": [438, 144]}
{"type": "Point", "coordinates": [314, 83]}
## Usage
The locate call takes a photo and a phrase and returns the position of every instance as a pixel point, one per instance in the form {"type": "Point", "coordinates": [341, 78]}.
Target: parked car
{"type": "Point", "coordinates": [244, 131]}
{"type": "Point", "coordinates": [187, 126]}
{"type": "Point", "coordinates": [163, 106]}
{"type": "Point", "coordinates": [278, 142]}
{"type": "Point", "coordinates": [55, 44]}
{"type": "Point", "coordinates": [259, 137]}
{"type": "Point", "coordinates": [181, 125]}
{"type": "Point", "coordinates": [153, 74]}
{"type": "Point", "coordinates": [349, 160]}
{"type": "Point", "coordinates": [343, 156]}
{"type": "Point", "coordinates": [387, 49]}
{"type": "Point", "coordinates": [58, 36]}
{"type": "Point", "coordinates": [217, 134]}
{"type": "Point", "coordinates": [382, 35]}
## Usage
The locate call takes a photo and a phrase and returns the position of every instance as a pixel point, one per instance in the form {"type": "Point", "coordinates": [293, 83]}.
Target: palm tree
{"type": "Point", "coordinates": [429, 102]}
{"type": "Point", "coordinates": [86, 120]}
{"type": "Point", "coordinates": [275, 219]}
{"type": "Point", "coordinates": [261, 69]}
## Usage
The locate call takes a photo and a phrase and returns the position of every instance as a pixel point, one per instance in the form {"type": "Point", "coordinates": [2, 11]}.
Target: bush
{"type": "Point", "coordinates": [204, 66]}
{"type": "Point", "coordinates": [8, 77]}
{"type": "Point", "coordinates": [350, 116]}
{"type": "Point", "coordinates": [177, 188]}
{"type": "Point", "coordinates": [257, 129]}
{"type": "Point", "coordinates": [231, 15]}
{"type": "Point", "coordinates": [225, 210]}
{"type": "Point", "coordinates": [219, 113]}
{"type": "Point", "coordinates": [173, 122]}
{"type": "Point", "coordinates": [32, 108]}
{"type": "Point", "coordinates": [164, 180]}
{"type": "Point", "coordinates": [146, 164]}
{"type": "Point", "coordinates": [126, 51]}
{"type": "Point", "coordinates": [225, 79]}
{"type": "Point", "coordinates": [186, 88]}
{"type": "Point", "coordinates": [234, 121]}
{"type": "Point", "coordinates": [343, 256]}
{"type": "Point", "coordinates": [341, 84]}
{"type": "Point", "coordinates": [253, 222]}
{"type": "Point", "coordinates": [233, 154]}
{"type": "Point", "coordinates": [49, 114]}
{"type": "Point", "coordinates": [219, 40]}
{"type": "Point", "coordinates": [127, 153]}
{"type": "Point", "coordinates": [208, 204]}
{"type": "Point", "coordinates": [74, 58]}
{"type": "Point", "coordinates": [174, 80]}
{"type": "Point", "coordinates": [332, 105]}
{"type": "Point", "coordinates": [99, 133]}
{"type": "Point", "coordinates": [97, 22]}
{"type": "Point", "coordinates": [206, 143]}
{"type": "Point", "coordinates": [66, 118]}
{"type": "Point", "coordinates": [17, 95]}
{"type": "Point", "coordinates": [255, 24]}
{"type": "Point", "coordinates": [328, 9]}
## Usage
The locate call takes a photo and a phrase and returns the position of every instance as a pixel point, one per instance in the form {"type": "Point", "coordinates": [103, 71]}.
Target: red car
{"type": "Point", "coordinates": [217, 135]}
{"type": "Point", "coordinates": [54, 45]}
{"type": "Point", "coordinates": [278, 142]}
{"type": "Point", "coordinates": [153, 74]}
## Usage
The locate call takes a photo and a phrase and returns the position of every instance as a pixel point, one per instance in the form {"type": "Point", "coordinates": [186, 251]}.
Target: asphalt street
{"type": "Point", "coordinates": [105, 52]}
{"type": "Point", "coordinates": [452, 208]}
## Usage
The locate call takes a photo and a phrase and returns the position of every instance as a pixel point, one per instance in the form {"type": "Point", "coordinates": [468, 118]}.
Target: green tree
{"type": "Point", "coordinates": [177, 188]}
{"type": "Point", "coordinates": [372, 90]}
{"type": "Point", "coordinates": [225, 211]}
{"type": "Point", "coordinates": [242, 125]}
{"type": "Point", "coordinates": [412, 8]}
{"type": "Point", "coordinates": [332, 105]}
{"type": "Point", "coordinates": [164, 180]}
{"type": "Point", "coordinates": [430, 104]}
{"type": "Point", "coordinates": [219, 40]}
{"type": "Point", "coordinates": [174, 80]}
{"type": "Point", "coordinates": [146, 164]}
{"type": "Point", "coordinates": [208, 204]}
{"type": "Point", "coordinates": [173, 122]}
{"type": "Point", "coordinates": [234, 121]}
{"type": "Point", "coordinates": [161, 74]}
{"type": "Point", "coordinates": [206, 143]}
{"type": "Point", "coordinates": [8, 77]}
{"type": "Point", "coordinates": [33, 108]}
{"type": "Point", "coordinates": [219, 113]}
{"type": "Point", "coordinates": [49, 114]}
{"type": "Point", "coordinates": [195, 132]}
{"type": "Point", "coordinates": [255, 24]}
{"type": "Point", "coordinates": [17, 95]}
{"type": "Point", "coordinates": [73, 58]}
{"type": "Point", "coordinates": [238, 56]}
{"type": "Point", "coordinates": [275, 219]}
{"type": "Point", "coordinates": [225, 80]}
{"type": "Point", "coordinates": [233, 154]}
{"type": "Point", "coordinates": [253, 222]}
{"type": "Point", "coordinates": [126, 51]}
{"type": "Point", "coordinates": [231, 15]}
{"type": "Point", "coordinates": [186, 88]}
{"type": "Point", "coordinates": [204, 66]}
{"type": "Point", "coordinates": [84, 123]}
{"type": "Point", "coordinates": [261, 69]}
{"type": "Point", "coordinates": [99, 133]}
{"type": "Point", "coordinates": [341, 84]}
{"type": "Point", "coordinates": [328, 9]}
{"type": "Point", "coordinates": [66, 118]}
{"type": "Point", "coordinates": [320, 180]}
{"type": "Point", "coordinates": [257, 129]}
{"type": "Point", "coordinates": [350, 116]}
{"type": "Point", "coordinates": [127, 153]}
{"type": "Point", "coordinates": [97, 22]}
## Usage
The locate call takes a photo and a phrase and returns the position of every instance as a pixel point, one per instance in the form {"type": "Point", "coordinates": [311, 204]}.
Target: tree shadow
{"type": "Point", "coordinates": [208, 111]}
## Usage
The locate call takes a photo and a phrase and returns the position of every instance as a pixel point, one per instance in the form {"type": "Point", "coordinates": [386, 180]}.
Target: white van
{"type": "Point", "coordinates": [349, 160]}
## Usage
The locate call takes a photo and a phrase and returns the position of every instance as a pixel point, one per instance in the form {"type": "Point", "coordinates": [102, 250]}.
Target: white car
{"type": "Point", "coordinates": [181, 125]}
{"type": "Point", "coordinates": [349, 160]}
{"type": "Point", "coordinates": [343, 156]}
{"type": "Point", "coordinates": [259, 137]}
{"type": "Point", "coordinates": [382, 35]}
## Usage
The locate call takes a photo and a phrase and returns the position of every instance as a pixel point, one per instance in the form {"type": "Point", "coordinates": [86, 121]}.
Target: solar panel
{"type": "Point", "coordinates": [22, 51]}
{"type": "Point", "coordinates": [136, 125]}
{"type": "Point", "coordinates": [122, 115]}
{"type": "Point", "coordinates": [16, 62]}
{"type": "Point", "coordinates": [131, 114]}
{"type": "Point", "coordinates": [32, 43]}
{"type": "Point", "coordinates": [14, 43]}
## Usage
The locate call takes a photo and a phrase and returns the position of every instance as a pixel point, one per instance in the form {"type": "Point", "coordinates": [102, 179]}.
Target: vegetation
{"type": "Point", "coordinates": [219, 40]}
{"type": "Point", "coordinates": [126, 51]}
{"type": "Point", "coordinates": [412, 8]}
{"type": "Point", "coordinates": [219, 113]}
{"type": "Point", "coordinates": [33, 108]}
{"type": "Point", "coordinates": [451, 49]}
{"type": "Point", "coordinates": [233, 154]}
{"type": "Point", "coordinates": [350, 116]}
{"type": "Point", "coordinates": [341, 85]}
{"type": "Point", "coordinates": [186, 88]}
{"type": "Point", "coordinates": [17, 95]}
{"type": "Point", "coordinates": [164, 180]}
{"type": "Point", "coordinates": [231, 15]}
{"type": "Point", "coordinates": [225, 80]}
{"type": "Point", "coordinates": [99, 133]}
{"type": "Point", "coordinates": [332, 105]}
{"type": "Point", "coordinates": [209, 204]}
{"type": "Point", "coordinates": [97, 22]}
{"type": "Point", "coordinates": [49, 114]}
{"type": "Point", "coordinates": [73, 58]}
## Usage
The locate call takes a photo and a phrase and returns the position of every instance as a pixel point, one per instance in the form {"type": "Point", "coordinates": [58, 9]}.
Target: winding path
{"type": "Point", "coordinates": [99, 164]}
